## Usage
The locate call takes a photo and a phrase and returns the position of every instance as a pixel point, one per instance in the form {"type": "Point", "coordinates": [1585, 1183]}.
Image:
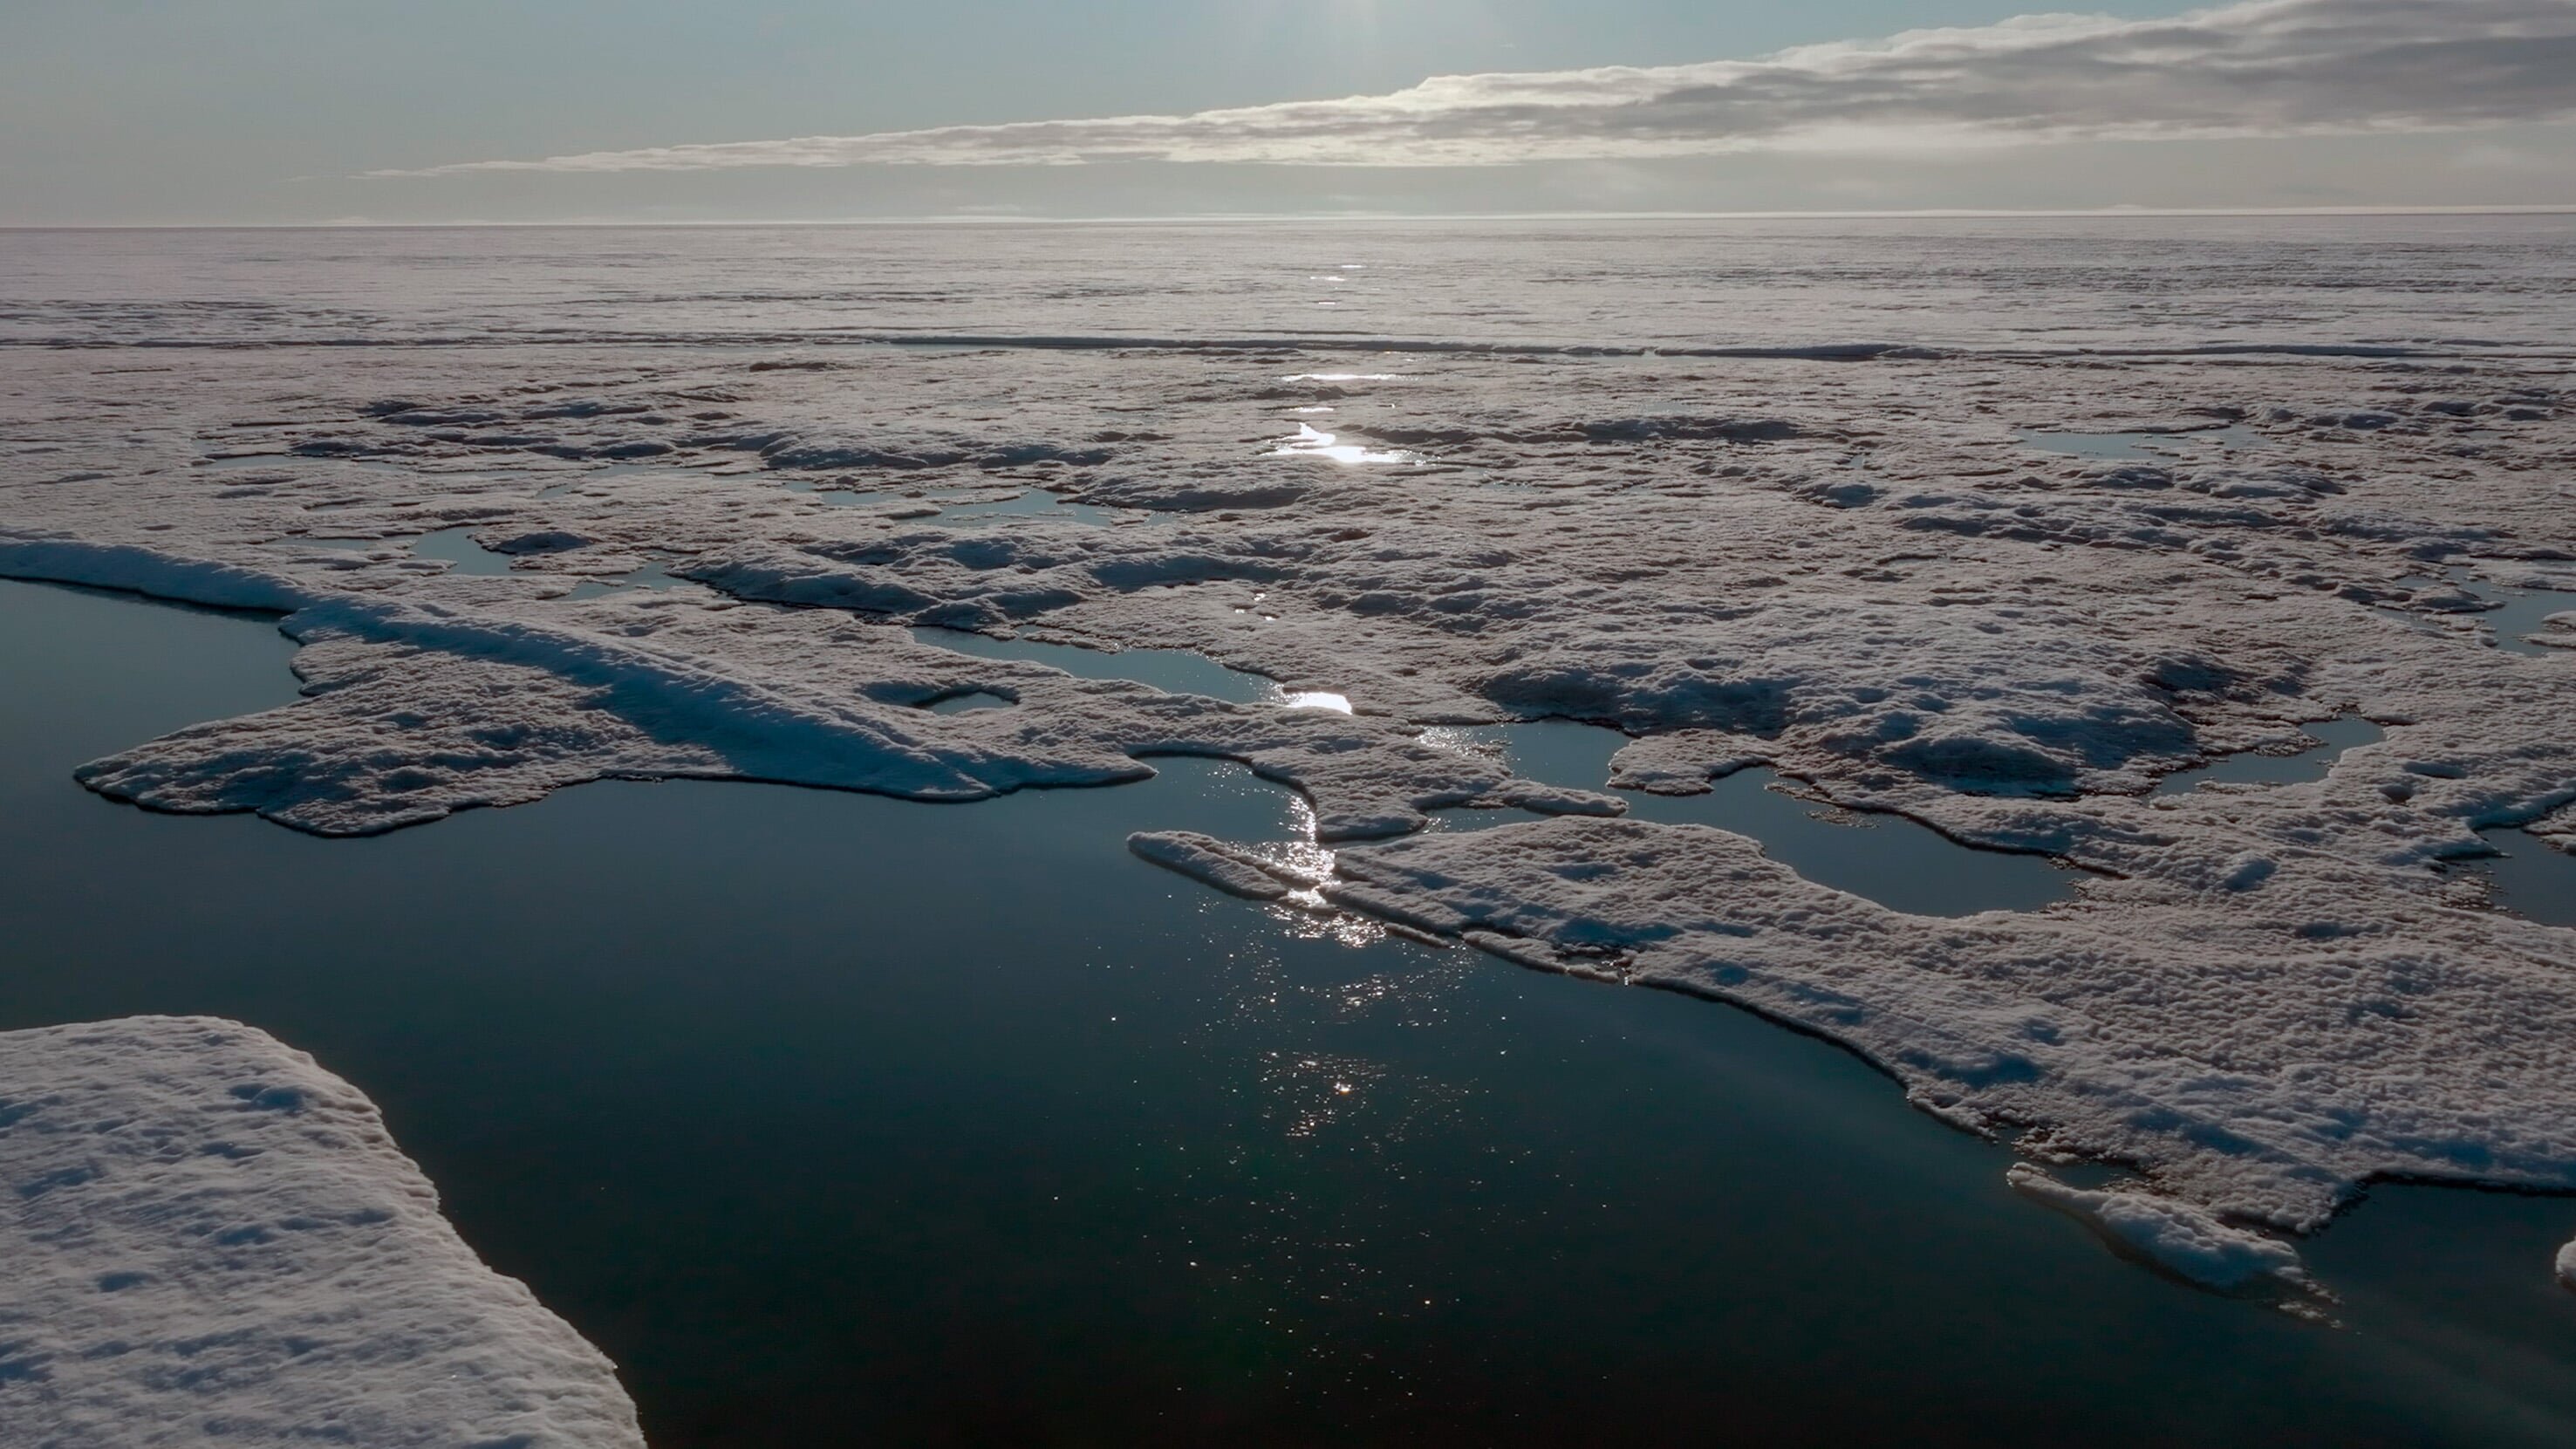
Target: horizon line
{"type": "Point", "coordinates": [1258, 218]}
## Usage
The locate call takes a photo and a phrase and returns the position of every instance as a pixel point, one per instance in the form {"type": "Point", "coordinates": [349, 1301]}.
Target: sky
{"type": "Point", "coordinates": [165, 112]}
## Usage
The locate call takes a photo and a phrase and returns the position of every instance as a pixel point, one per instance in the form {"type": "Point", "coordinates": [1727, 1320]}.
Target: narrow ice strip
{"type": "Point", "coordinates": [1210, 862]}
{"type": "Point", "coordinates": [209, 1235]}
{"type": "Point", "coordinates": [2188, 1242]}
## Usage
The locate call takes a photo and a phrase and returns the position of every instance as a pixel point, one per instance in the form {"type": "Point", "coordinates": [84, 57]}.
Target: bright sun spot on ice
{"type": "Point", "coordinates": [1312, 442]}
{"type": "Point", "coordinates": [1316, 699]}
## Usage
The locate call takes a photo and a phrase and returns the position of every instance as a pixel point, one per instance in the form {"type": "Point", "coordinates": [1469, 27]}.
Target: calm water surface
{"type": "Point", "coordinates": [1896, 862]}
{"type": "Point", "coordinates": [837, 1120]}
{"type": "Point", "coordinates": [2330, 738]}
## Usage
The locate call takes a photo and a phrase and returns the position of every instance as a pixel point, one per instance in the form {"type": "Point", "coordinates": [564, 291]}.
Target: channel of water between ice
{"type": "Point", "coordinates": [1895, 861]}
{"type": "Point", "coordinates": [2518, 618]}
{"type": "Point", "coordinates": [822, 1110]}
{"type": "Point", "coordinates": [1891, 859]}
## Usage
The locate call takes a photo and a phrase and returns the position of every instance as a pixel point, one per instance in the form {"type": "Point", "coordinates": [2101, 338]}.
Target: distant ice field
{"type": "Point", "coordinates": [2442, 283]}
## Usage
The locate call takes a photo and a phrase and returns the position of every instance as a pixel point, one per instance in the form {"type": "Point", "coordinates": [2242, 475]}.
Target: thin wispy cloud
{"type": "Point", "coordinates": [2273, 68]}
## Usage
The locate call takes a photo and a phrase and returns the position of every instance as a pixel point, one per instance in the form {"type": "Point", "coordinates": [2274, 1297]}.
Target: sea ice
{"type": "Point", "coordinates": [1796, 546]}
{"type": "Point", "coordinates": [210, 1238]}
{"type": "Point", "coordinates": [2176, 1237]}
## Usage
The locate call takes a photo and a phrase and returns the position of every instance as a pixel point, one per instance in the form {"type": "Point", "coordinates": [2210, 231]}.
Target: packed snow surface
{"type": "Point", "coordinates": [211, 1239]}
{"type": "Point", "coordinates": [1754, 494]}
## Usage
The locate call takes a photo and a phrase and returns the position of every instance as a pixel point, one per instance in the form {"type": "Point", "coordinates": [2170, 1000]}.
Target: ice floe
{"type": "Point", "coordinates": [211, 1237]}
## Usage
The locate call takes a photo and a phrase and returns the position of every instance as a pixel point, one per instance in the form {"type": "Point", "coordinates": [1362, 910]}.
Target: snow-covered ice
{"type": "Point", "coordinates": [209, 1238]}
{"type": "Point", "coordinates": [2177, 1237]}
{"type": "Point", "coordinates": [1763, 497]}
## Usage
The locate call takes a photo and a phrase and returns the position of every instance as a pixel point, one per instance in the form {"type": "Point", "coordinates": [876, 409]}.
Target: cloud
{"type": "Point", "coordinates": [2268, 68]}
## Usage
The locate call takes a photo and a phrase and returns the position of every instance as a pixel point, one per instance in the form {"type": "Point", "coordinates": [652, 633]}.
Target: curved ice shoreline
{"type": "Point", "coordinates": [656, 712]}
{"type": "Point", "coordinates": [208, 1234]}
{"type": "Point", "coordinates": [2284, 1153]}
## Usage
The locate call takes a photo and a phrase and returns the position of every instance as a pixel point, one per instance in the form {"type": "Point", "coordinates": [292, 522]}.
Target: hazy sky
{"type": "Point", "coordinates": [154, 111]}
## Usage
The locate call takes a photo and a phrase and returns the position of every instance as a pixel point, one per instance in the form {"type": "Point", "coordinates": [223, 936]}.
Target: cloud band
{"type": "Point", "coordinates": [2267, 68]}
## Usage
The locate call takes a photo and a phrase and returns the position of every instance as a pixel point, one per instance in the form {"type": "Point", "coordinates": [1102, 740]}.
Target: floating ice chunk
{"type": "Point", "coordinates": [207, 1229]}
{"type": "Point", "coordinates": [1229, 868]}
{"type": "Point", "coordinates": [2567, 1267]}
{"type": "Point", "coordinates": [2186, 1241]}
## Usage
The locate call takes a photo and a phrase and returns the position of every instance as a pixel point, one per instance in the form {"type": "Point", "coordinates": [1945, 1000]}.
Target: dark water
{"type": "Point", "coordinates": [1892, 860]}
{"type": "Point", "coordinates": [2512, 616]}
{"type": "Point", "coordinates": [2522, 613]}
{"type": "Point", "coordinates": [2331, 738]}
{"type": "Point", "coordinates": [651, 575]}
{"type": "Point", "coordinates": [2527, 877]}
{"type": "Point", "coordinates": [456, 546]}
{"type": "Point", "coordinates": [462, 554]}
{"type": "Point", "coordinates": [837, 1120]}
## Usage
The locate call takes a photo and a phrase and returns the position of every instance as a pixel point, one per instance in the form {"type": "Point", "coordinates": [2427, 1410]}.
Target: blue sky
{"type": "Point", "coordinates": [267, 110]}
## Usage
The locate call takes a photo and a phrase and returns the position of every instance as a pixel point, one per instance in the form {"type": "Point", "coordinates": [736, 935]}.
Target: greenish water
{"type": "Point", "coordinates": [837, 1120]}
